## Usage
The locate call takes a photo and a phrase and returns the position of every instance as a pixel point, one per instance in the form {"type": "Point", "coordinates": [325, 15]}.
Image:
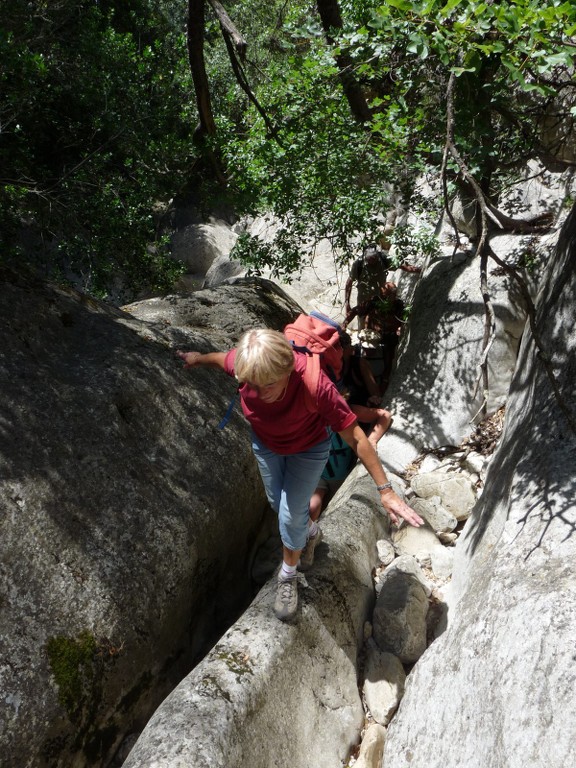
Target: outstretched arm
{"type": "Point", "coordinates": [347, 294]}
{"type": "Point", "coordinates": [392, 503]}
{"type": "Point", "coordinates": [192, 359]}
{"type": "Point", "coordinates": [410, 268]}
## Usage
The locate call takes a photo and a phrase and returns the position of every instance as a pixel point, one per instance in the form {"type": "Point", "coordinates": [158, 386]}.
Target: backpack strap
{"type": "Point", "coordinates": [311, 379]}
{"type": "Point", "coordinates": [325, 319]}
{"type": "Point", "coordinates": [228, 414]}
{"type": "Point", "coordinates": [341, 459]}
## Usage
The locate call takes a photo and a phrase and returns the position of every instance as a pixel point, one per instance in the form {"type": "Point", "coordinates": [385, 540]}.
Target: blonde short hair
{"type": "Point", "coordinates": [263, 356]}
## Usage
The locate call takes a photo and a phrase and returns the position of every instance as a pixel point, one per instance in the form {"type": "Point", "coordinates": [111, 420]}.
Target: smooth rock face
{"type": "Point", "coordinates": [497, 688]}
{"type": "Point", "coordinates": [280, 694]}
{"type": "Point", "coordinates": [399, 620]}
{"type": "Point", "coordinates": [432, 391]}
{"type": "Point", "coordinates": [119, 547]}
{"type": "Point", "coordinates": [384, 680]}
{"type": "Point", "coordinates": [240, 709]}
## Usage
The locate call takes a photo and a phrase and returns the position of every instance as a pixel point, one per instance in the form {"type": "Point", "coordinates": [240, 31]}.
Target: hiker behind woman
{"type": "Point", "coordinates": [387, 319]}
{"type": "Point", "coordinates": [360, 390]}
{"type": "Point", "coordinates": [341, 462]}
{"type": "Point", "coordinates": [291, 443]}
{"type": "Point", "coordinates": [369, 272]}
{"type": "Point", "coordinates": [359, 384]}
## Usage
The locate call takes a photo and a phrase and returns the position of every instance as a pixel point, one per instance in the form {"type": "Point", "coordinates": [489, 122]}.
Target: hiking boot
{"type": "Point", "coordinates": [307, 554]}
{"type": "Point", "coordinates": [286, 603]}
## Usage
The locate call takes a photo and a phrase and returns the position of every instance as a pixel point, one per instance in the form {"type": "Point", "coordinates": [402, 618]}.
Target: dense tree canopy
{"type": "Point", "coordinates": [96, 122]}
{"type": "Point", "coordinates": [325, 115]}
{"type": "Point", "coordinates": [464, 87]}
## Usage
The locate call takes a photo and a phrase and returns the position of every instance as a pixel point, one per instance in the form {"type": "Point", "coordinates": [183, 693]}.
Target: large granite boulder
{"type": "Point", "coordinates": [270, 693]}
{"type": "Point", "coordinates": [497, 688]}
{"type": "Point", "coordinates": [198, 244]}
{"type": "Point", "coordinates": [127, 520]}
{"type": "Point", "coordinates": [434, 393]}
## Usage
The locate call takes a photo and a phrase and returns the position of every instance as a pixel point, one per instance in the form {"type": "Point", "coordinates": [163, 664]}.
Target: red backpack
{"type": "Point", "coordinates": [318, 337]}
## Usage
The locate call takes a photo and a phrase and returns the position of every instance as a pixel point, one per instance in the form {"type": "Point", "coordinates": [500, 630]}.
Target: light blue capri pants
{"type": "Point", "coordinates": [289, 482]}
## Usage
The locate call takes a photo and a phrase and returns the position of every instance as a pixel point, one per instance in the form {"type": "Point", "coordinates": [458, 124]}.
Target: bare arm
{"type": "Point", "coordinates": [347, 294]}
{"type": "Point", "coordinates": [350, 315]}
{"type": "Point", "coordinates": [369, 381]}
{"type": "Point", "coordinates": [212, 359]}
{"type": "Point", "coordinates": [410, 268]}
{"type": "Point", "coordinates": [391, 502]}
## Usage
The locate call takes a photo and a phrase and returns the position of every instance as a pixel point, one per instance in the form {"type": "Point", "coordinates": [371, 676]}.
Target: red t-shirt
{"type": "Point", "coordinates": [287, 426]}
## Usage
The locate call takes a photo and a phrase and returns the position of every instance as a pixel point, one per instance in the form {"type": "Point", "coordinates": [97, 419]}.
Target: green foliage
{"type": "Point", "coordinates": [98, 113]}
{"type": "Point", "coordinates": [96, 129]}
{"type": "Point", "coordinates": [258, 255]}
{"type": "Point", "coordinates": [324, 176]}
{"type": "Point", "coordinates": [72, 664]}
{"type": "Point", "coordinates": [406, 312]}
{"type": "Point", "coordinates": [414, 245]}
{"type": "Point", "coordinates": [510, 59]}
{"type": "Point", "coordinates": [317, 173]}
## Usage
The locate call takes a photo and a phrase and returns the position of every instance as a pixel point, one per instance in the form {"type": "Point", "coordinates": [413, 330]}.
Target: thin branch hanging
{"type": "Point", "coordinates": [490, 320]}
{"type": "Point", "coordinates": [485, 251]}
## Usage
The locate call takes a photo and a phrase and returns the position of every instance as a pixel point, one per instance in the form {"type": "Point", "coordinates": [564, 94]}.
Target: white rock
{"type": "Point", "coordinates": [439, 518]}
{"type": "Point", "coordinates": [475, 462]}
{"type": "Point", "coordinates": [455, 491]}
{"type": "Point", "coordinates": [384, 679]}
{"type": "Point", "coordinates": [442, 562]}
{"type": "Point", "coordinates": [429, 463]}
{"type": "Point", "coordinates": [372, 747]}
{"type": "Point", "coordinates": [415, 541]}
{"type": "Point", "coordinates": [386, 552]}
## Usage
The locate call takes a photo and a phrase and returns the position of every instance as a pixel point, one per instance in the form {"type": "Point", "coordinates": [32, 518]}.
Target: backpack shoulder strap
{"type": "Point", "coordinates": [310, 379]}
{"type": "Point", "coordinates": [228, 414]}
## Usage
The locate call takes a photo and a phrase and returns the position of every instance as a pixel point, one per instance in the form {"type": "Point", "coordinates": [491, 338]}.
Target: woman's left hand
{"type": "Point", "coordinates": [397, 508]}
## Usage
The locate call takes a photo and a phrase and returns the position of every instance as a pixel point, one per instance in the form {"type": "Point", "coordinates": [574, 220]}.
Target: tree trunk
{"type": "Point", "coordinates": [329, 12]}
{"type": "Point", "coordinates": [229, 28]}
{"type": "Point", "coordinates": [195, 30]}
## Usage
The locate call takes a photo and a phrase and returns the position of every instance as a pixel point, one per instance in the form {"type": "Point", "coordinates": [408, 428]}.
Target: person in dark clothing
{"type": "Point", "coordinates": [382, 318]}
{"type": "Point", "coordinates": [360, 390]}
{"type": "Point", "coordinates": [370, 272]}
{"type": "Point", "coordinates": [387, 319]}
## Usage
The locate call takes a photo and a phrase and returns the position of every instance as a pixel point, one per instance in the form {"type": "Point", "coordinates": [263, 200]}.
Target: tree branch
{"type": "Point", "coordinates": [207, 126]}
{"type": "Point", "coordinates": [329, 12]}
{"type": "Point", "coordinates": [240, 75]}
{"type": "Point", "coordinates": [490, 322]}
{"type": "Point", "coordinates": [541, 353]}
{"type": "Point", "coordinates": [195, 39]}
{"type": "Point", "coordinates": [229, 29]}
{"type": "Point", "coordinates": [485, 250]}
